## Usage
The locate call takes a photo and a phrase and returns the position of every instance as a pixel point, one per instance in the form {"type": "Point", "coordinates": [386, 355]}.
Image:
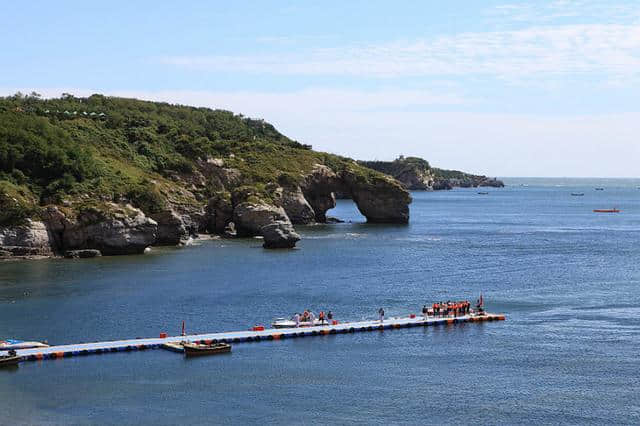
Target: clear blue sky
{"type": "Point", "coordinates": [507, 88]}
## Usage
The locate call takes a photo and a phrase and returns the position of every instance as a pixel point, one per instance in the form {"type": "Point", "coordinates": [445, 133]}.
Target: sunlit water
{"type": "Point", "coordinates": [567, 279]}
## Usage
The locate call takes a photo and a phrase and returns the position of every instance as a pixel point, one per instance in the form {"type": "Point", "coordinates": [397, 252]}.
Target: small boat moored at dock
{"type": "Point", "coordinates": [9, 344]}
{"type": "Point", "coordinates": [199, 349]}
{"type": "Point", "coordinates": [10, 359]}
{"type": "Point", "coordinates": [285, 323]}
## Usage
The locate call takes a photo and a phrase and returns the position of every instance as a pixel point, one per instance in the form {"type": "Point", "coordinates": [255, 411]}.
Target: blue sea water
{"type": "Point", "coordinates": [568, 280]}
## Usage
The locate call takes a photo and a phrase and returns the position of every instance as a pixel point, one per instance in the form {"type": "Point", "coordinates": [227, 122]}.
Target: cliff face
{"type": "Point", "coordinates": [121, 175]}
{"type": "Point", "coordinates": [29, 239]}
{"type": "Point", "coordinates": [416, 174]}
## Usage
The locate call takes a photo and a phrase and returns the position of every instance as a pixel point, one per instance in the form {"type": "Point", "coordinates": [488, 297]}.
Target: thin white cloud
{"type": "Point", "coordinates": [550, 12]}
{"type": "Point", "coordinates": [609, 50]}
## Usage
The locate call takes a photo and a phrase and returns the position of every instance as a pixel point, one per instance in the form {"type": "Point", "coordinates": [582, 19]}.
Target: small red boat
{"type": "Point", "coordinates": [606, 211]}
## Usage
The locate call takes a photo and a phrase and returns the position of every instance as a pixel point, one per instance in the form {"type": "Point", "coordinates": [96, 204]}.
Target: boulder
{"type": "Point", "coordinates": [279, 235]}
{"type": "Point", "coordinates": [250, 217]}
{"type": "Point", "coordinates": [82, 254]}
{"type": "Point", "coordinates": [171, 228]}
{"type": "Point", "coordinates": [297, 207]}
{"type": "Point", "coordinates": [272, 222]}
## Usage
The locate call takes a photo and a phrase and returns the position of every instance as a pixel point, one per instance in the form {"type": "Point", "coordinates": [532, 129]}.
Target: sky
{"type": "Point", "coordinates": [503, 88]}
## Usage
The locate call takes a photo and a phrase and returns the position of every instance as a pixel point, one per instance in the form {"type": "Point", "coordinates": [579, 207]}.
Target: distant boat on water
{"type": "Point", "coordinates": [599, 189]}
{"type": "Point", "coordinates": [483, 193]}
{"type": "Point", "coordinates": [614, 210]}
{"type": "Point", "coordinates": [577, 194]}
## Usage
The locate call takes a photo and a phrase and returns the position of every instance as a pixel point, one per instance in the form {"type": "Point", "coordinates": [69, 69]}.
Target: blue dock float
{"type": "Point", "coordinates": [84, 349]}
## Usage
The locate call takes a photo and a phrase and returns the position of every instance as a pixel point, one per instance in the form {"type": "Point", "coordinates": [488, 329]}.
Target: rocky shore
{"type": "Point", "coordinates": [84, 177]}
{"type": "Point", "coordinates": [234, 212]}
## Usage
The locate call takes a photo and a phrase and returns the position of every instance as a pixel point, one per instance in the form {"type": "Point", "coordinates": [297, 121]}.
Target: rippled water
{"type": "Point", "coordinates": [568, 280]}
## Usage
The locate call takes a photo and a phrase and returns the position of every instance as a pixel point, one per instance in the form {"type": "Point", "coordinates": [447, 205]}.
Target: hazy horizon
{"type": "Point", "coordinates": [501, 88]}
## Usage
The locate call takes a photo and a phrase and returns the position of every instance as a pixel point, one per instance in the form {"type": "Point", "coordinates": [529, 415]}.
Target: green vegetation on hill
{"type": "Point", "coordinates": [398, 165]}
{"type": "Point", "coordinates": [86, 151]}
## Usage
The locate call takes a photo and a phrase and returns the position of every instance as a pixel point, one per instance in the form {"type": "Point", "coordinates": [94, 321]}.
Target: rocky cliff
{"type": "Point", "coordinates": [416, 174]}
{"type": "Point", "coordinates": [136, 174]}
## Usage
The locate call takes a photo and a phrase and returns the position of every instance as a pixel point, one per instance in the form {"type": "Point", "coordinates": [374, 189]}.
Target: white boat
{"type": "Point", "coordinates": [9, 344]}
{"type": "Point", "coordinates": [287, 323]}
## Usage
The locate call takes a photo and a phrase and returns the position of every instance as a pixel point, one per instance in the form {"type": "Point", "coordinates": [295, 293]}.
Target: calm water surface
{"type": "Point", "coordinates": [568, 280]}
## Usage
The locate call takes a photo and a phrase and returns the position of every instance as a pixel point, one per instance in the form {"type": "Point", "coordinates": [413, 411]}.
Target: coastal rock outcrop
{"type": "Point", "coordinates": [491, 182]}
{"type": "Point", "coordinates": [113, 230]}
{"type": "Point", "coordinates": [30, 239]}
{"type": "Point", "coordinates": [219, 212]}
{"type": "Point", "coordinates": [171, 228]}
{"type": "Point", "coordinates": [319, 188]}
{"type": "Point", "coordinates": [297, 207]}
{"type": "Point", "coordinates": [416, 180]}
{"type": "Point", "coordinates": [416, 174]}
{"type": "Point", "coordinates": [379, 199]}
{"type": "Point", "coordinates": [260, 218]}
{"type": "Point", "coordinates": [412, 172]}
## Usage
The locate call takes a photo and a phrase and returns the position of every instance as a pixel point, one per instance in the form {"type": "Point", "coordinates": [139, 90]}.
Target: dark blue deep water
{"type": "Point", "coordinates": [567, 279]}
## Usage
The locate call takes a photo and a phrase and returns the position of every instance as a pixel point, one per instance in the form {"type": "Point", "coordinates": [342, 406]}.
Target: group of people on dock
{"type": "Point", "coordinates": [309, 317]}
{"type": "Point", "coordinates": [437, 309]}
{"type": "Point", "coordinates": [449, 308]}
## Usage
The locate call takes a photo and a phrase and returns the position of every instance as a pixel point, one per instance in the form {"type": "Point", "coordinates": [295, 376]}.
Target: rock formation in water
{"type": "Point", "coordinates": [136, 174]}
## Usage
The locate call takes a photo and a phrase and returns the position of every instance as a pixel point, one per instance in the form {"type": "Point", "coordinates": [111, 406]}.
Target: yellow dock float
{"type": "Point", "coordinates": [173, 342]}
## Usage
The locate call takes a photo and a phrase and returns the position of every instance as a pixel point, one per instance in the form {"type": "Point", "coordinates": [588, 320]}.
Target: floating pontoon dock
{"type": "Point", "coordinates": [80, 349]}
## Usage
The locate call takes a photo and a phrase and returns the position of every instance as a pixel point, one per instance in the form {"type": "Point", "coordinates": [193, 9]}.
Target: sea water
{"type": "Point", "coordinates": [568, 280]}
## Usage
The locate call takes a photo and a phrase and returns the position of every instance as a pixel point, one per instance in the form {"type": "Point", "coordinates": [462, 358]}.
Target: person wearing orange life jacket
{"type": "Point", "coordinates": [321, 317]}
{"type": "Point", "coordinates": [435, 309]}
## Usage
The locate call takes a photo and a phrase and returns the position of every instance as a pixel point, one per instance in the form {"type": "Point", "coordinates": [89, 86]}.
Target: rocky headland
{"type": "Point", "coordinates": [83, 177]}
{"type": "Point", "coordinates": [416, 174]}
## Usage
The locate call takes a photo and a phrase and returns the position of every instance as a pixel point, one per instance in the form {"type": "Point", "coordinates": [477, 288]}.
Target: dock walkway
{"type": "Point", "coordinates": [80, 349]}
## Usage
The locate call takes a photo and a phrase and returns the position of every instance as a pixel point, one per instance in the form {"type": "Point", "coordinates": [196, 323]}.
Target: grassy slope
{"type": "Point", "coordinates": [137, 151]}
